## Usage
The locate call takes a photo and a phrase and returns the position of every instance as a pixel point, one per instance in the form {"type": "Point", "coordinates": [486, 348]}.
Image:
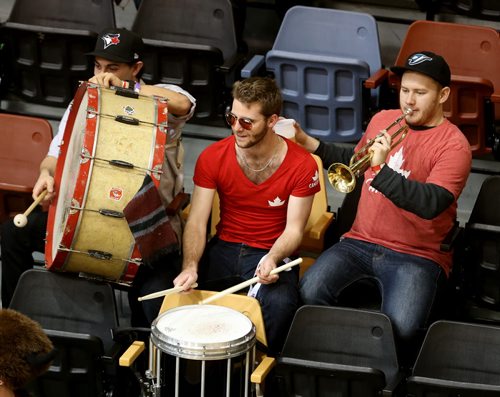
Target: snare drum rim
{"type": "Point", "coordinates": [201, 351]}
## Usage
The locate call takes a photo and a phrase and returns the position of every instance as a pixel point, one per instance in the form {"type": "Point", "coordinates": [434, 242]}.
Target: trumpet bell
{"type": "Point", "coordinates": [341, 177]}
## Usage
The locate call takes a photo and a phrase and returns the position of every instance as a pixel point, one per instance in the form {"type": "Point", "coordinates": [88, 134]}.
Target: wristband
{"type": "Point", "coordinates": [376, 168]}
{"type": "Point", "coordinates": [137, 87]}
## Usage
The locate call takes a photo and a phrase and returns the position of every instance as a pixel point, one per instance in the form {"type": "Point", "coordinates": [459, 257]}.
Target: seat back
{"type": "Point", "coordinates": [473, 53]}
{"type": "Point", "coordinates": [320, 217]}
{"type": "Point", "coordinates": [349, 351]}
{"type": "Point", "coordinates": [82, 14]}
{"type": "Point", "coordinates": [482, 254]}
{"type": "Point", "coordinates": [479, 9]}
{"type": "Point", "coordinates": [45, 65]}
{"type": "Point", "coordinates": [320, 59]}
{"type": "Point", "coordinates": [65, 302]}
{"type": "Point", "coordinates": [457, 359]}
{"type": "Point", "coordinates": [44, 55]}
{"type": "Point", "coordinates": [247, 305]}
{"type": "Point", "coordinates": [77, 370]}
{"type": "Point", "coordinates": [189, 48]}
{"type": "Point", "coordinates": [24, 142]}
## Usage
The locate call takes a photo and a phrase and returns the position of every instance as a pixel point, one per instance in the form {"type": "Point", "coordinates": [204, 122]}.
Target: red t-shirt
{"type": "Point", "coordinates": [254, 214]}
{"type": "Point", "coordinates": [439, 155]}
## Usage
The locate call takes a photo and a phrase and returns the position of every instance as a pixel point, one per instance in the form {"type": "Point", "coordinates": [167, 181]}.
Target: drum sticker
{"type": "Point", "coordinates": [129, 110]}
{"type": "Point", "coordinates": [116, 193]}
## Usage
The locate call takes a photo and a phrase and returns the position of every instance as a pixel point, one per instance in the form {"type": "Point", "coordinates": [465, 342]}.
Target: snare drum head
{"type": "Point", "coordinates": [204, 332]}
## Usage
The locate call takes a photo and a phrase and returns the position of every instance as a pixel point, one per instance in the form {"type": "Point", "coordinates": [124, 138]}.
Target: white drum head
{"type": "Point", "coordinates": [203, 332]}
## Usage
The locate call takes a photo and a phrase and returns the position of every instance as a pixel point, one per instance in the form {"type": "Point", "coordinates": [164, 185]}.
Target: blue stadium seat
{"type": "Point", "coordinates": [321, 59]}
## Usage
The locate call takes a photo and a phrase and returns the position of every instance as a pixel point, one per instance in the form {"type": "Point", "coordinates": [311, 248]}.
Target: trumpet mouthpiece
{"type": "Point", "coordinates": [408, 111]}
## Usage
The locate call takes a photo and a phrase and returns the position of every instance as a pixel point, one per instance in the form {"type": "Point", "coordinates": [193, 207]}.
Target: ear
{"type": "Point", "coordinates": [137, 68]}
{"type": "Point", "coordinates": [444, 94]}
{"type": "Point", "coordinates": [273, 119]}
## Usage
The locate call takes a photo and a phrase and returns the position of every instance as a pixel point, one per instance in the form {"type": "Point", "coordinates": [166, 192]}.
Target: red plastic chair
{"type": "Point", "coordinates": [473, 53]}
{"type": "Point", "coordinates": [24, 142]}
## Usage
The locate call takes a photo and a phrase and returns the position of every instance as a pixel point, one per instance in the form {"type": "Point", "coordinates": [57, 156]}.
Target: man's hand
{"type": "Point", "coordinates": [186, 279]}
{"type": "Point", "coordinates": [380, 149]}
{"type": "Point", "coordinates": [266, 265]}
{"type": "Point", "coordinates": [306, 141]}
{"type": "Point", "coordinates": [45, 181]}
{"type": "Point", "coordinates": [107, 80]}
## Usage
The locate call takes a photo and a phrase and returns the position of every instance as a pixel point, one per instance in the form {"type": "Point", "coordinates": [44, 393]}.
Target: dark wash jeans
{"type": "Point", "coordinates": [408, 284]}
{"type": "Point", "coordinates": [225, 264]}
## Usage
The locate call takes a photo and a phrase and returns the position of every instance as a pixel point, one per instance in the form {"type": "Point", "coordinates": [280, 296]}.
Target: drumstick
{"type": "Point", "coordinates": [159, 294]}
{"type": "Point", "coordinates": [21, 220]}
{"type": "Point", "coordinates": [248, 283]}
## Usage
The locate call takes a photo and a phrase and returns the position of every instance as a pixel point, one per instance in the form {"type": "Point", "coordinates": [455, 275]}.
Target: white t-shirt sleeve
{"type": "Point", "coordinates": [56, 141]}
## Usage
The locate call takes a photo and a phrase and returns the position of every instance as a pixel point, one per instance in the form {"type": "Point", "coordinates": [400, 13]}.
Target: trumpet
{"type": "Point", "coordinates": [343, 177]}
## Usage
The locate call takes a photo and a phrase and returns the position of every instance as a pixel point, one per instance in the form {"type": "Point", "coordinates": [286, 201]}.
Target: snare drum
{"type": "Point", "coordinates": [204, 350]}
{"type": "Point", "coordinates": [110, 143]}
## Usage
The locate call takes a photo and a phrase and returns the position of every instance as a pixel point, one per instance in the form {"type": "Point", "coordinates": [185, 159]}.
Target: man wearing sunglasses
{"type": "Point", "coordinates": [266, 186]}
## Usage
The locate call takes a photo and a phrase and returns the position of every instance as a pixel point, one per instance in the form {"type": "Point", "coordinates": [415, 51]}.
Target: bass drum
{"type": "Point", "coordinates": [110, 143]}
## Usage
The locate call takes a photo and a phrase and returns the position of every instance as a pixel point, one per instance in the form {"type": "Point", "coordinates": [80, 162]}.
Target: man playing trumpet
{"type": "Point", "coordinates": [408, 204]}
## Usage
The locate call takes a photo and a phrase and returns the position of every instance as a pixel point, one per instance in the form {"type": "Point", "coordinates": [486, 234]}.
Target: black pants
{"type": "Point", "coordinates": [17, 247]}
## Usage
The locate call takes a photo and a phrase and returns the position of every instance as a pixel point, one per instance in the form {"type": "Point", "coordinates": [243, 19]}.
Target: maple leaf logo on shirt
{"type": "Point", "coordinates": [277, 202]}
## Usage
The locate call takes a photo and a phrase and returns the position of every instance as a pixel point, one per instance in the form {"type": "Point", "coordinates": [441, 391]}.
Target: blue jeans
{"type": "Point", "coordinates": [225, 264]}
{"type": "Point", "coordinates": [408, 284]}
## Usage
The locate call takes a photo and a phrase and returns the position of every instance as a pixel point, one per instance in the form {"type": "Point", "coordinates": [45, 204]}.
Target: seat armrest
{"type": "Point", "coordinates": [318, 230]}
{"type": "Point", "coordinates": [231, 63]}
{"type": "Point", "coordinates": [451, 385]}
{"type": "Point", "coordinates": [449, 241]}
{"type": "Point", "coordinates": [483, 227]}
{"type": "Point", "coordinates": [131, 354]}
{"type": "Point", "coordinates": [376, 79]}
{"type": "Point", "coordinates": [253, 66]}
{"type": "Point", "coordinates": [259, 374]}
{"type": "Point", "coordinates": [395, 387]}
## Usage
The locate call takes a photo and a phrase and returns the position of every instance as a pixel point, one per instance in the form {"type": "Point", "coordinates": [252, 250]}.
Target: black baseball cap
{"type": "Point", "coordinates": [118, 45]}
{"type": "Point", "coordinates": [427, 63]}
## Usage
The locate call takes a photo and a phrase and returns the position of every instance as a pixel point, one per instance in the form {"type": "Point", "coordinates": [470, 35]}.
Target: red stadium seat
{"type": "Point", "coordinates": [473, 53]}
{"type": "Point", "coordinates": [24, 142]}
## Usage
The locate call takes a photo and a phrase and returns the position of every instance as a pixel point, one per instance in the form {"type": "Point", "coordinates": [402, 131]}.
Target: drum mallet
{"type": "Point", "coordinates": [248, 283]}
{"type": "Point", "coordinates": [21, 220]}
{"type": "Point", "coordinates": [159, 294]}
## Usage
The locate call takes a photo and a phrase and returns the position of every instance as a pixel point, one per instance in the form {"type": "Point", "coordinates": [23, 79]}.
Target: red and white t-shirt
{"type": "Point", "coordinates": [254, 214]}
{"type": "Point", "coordinates": [439, 155]}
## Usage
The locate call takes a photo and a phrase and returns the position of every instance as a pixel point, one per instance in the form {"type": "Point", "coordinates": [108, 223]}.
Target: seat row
{"type": "Point", "coordinates": [327, 62]}
{"type": "Point", "coordinates": [328, 351]}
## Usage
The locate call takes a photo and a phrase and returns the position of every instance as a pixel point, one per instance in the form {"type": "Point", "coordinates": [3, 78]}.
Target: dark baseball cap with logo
{"type": "Point", "coordinates": [427, 63]}
{"type": "Point", "coordinates": [118, 45]}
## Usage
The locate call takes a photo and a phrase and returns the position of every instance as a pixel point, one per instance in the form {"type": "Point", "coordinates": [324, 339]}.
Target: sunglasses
{"type": "Point", "coordinates": [246, 123]}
